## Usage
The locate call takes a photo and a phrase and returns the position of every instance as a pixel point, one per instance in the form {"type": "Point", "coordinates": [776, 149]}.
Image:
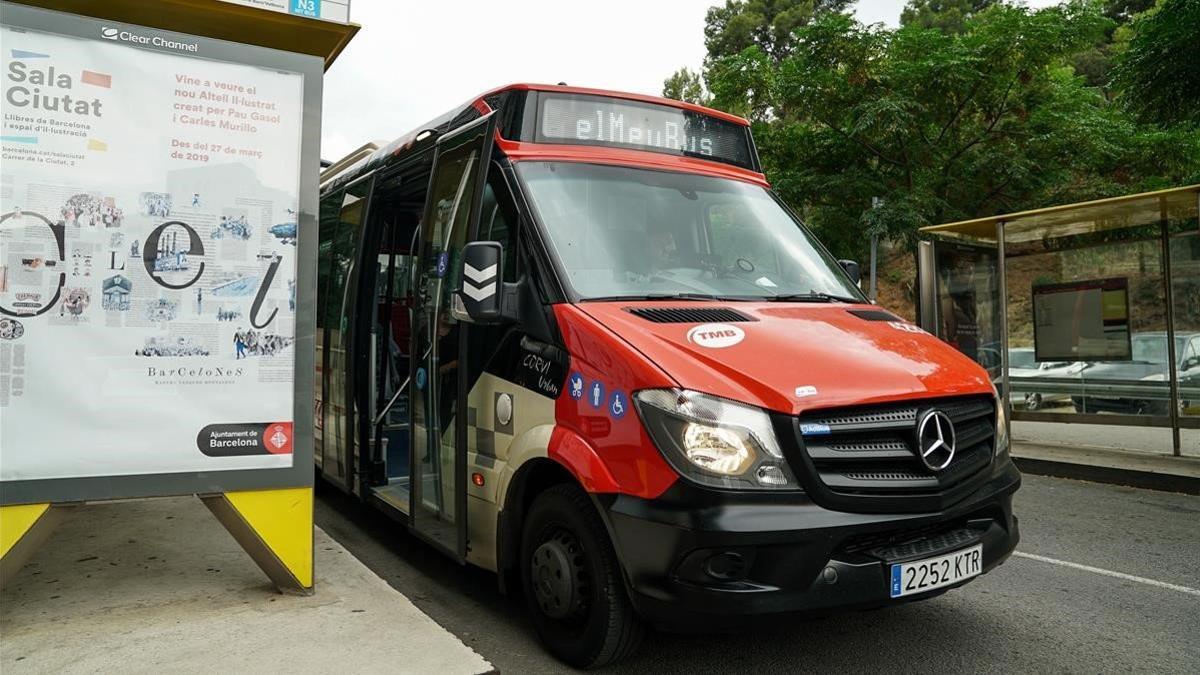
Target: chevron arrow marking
{"type": "Point", "coordinates": [479, 294]}
{"type": "Point", "coordinates": [479, 276]}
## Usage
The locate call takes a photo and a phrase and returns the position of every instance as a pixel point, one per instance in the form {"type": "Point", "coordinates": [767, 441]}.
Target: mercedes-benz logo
{"type": "Point", "coordinates": [935, 439]}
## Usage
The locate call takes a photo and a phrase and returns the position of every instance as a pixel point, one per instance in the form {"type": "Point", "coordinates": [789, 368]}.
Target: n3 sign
{"type": "Point", "coordinates": [309, 8]}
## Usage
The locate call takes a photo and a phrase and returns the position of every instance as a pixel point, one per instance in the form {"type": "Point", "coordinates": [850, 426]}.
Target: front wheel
{"type": "Point", "coordinates": [572, 581]}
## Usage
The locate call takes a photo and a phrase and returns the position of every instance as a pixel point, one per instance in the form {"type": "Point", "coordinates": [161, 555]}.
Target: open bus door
{"type": "Point", "coordinates": [437, 383]}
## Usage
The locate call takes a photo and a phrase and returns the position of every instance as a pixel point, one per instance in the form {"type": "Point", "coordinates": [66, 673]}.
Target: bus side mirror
{"type": "Point", "coordinates": [851, 268]}
{"type": "Point", "coordinates": [481, 292]}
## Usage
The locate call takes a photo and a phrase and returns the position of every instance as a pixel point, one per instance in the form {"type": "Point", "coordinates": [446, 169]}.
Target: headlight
{"type": "Point", "coordinates": [1001, 426]}
{"type": "Point", "coordinates": [714, 441]}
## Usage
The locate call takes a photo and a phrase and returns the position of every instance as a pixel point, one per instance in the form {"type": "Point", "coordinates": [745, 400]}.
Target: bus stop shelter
{"type": "Point", "coordinates": [1084, 313]}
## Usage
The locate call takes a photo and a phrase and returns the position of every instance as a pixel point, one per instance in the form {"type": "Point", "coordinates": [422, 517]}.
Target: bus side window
{"type": "Point", "coordinates": [497, 222]}
{"type": "Point", "coordinates": [330, 215]}
{"type": "Point", "coordinates": [337, 436]}
{"type": "Point", "coordinates": [331, 207]}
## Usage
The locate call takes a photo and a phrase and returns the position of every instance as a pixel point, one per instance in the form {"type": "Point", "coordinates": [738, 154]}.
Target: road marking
{"type": "Point", "coordinates": [1109, 573]}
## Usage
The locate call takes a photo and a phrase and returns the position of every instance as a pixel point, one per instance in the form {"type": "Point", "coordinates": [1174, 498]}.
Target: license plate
{"type": "Point", "coordinates": [925, 575]}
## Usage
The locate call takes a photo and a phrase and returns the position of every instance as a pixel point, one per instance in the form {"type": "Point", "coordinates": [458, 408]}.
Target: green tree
{"type": "Point", "coordinates": [1159, 72]}
{"type": "Point", "coordinates": [941, 125]}
{"type": "Point", "coordinates": [1124, 10]}
{"type": "Point", "coordinates": [686, 85]}
{"type": "Point", "coordinates": [752, 36]}
{"type": "Point", "coordinates": [766, 24]}
{"type": "Point", "coordinates": [949, 16]}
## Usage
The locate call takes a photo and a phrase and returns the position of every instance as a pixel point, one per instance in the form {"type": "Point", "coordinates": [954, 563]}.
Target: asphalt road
{"type": "Point", "coordinates": [1029, 615]}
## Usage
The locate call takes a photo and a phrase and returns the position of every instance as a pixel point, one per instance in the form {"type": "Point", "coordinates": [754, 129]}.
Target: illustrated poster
{"type": "Point", "coordinates": [147, 259]}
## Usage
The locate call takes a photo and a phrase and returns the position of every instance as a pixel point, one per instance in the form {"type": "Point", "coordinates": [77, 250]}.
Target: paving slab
{"type": "Point", "coordinates": [158, 586]}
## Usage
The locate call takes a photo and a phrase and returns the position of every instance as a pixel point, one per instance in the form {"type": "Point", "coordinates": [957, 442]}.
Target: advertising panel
{"type": "Point", "coordinates": [150, 210]}
{"type": "Point", "coordinates": [1082, 321]}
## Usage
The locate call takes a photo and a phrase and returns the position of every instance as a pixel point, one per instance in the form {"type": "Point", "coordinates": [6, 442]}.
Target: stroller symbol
{"type": "Point", "coordinates": [577, 386]}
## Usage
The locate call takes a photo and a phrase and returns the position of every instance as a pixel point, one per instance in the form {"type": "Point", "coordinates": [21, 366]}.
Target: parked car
{"type": "Point", "coordinates": [1023, 366]}
{"type": "Point", "coordinates": [1149, 365]}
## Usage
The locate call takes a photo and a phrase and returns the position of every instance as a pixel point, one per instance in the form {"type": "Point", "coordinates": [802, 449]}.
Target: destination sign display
{"type": "Point", "coordinates": [598, 120]}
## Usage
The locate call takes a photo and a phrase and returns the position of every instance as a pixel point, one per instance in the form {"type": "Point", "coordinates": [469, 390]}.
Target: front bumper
{"type": "Point", "coordinates": [703, 559]}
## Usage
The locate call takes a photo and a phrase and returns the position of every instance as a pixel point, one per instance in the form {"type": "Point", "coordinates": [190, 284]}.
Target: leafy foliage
{"type": "Point", "coordinates": [766, 24]}
{"type": "Point", "coordinates": [1125, 10]}
{"type": "Point", "coordinates": [949, 16]}
{"type": "Point", "coordinates": [943, 123]}
{"type": "Point", "coordinates": [686, 85]}
{"type": "Point", "coordinates": [1160, 71]}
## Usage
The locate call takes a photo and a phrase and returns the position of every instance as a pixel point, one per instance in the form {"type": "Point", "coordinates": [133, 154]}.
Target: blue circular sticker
{"type": "Point", "coordinates": [575, 384]}
{"type": "Point", "coordinates": [618, 405]}
{"type": "Point", "coordinates": [595, 394]}
{"type": "Point", "coordinates": [421, 378]}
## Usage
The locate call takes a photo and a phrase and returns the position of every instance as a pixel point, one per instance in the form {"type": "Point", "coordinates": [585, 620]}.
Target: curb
{"type": "Point", "coordinates": [1149, 480]}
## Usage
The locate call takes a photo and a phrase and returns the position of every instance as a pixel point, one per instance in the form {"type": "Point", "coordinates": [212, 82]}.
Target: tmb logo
{"type": "Point", "coordinates": [716, 335]}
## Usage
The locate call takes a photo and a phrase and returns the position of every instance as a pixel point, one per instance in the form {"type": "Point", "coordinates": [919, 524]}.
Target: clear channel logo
{"type": "Point", "coordinates": [121, 35]}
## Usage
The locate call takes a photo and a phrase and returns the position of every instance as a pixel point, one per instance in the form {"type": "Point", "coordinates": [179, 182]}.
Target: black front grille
{"type": "Point", "coordinates": [902, 543]}
{"type": "Point", "coordinates": [689, 314]}
{"type": "Point", "coordinates": [862, 455]}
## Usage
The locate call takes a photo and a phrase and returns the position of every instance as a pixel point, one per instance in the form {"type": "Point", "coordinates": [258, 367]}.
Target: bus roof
{"type": "Point", "coordinates": [564, 89]}
{"type": "Point", "coordinates": [359, 162]}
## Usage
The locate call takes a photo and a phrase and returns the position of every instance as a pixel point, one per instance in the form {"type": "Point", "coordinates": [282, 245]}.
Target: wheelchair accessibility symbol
{"type": "Point", "coordinates": [618, 405]}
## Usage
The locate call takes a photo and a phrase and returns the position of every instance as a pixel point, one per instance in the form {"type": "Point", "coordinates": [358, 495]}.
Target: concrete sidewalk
{"type": "Point", "coordinates": [1154, 471]}
{"type": "Point", "coordinates": [159, 586]}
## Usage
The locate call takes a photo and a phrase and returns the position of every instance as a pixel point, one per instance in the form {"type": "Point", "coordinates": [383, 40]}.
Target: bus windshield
{"type": "Point", "coordinates": [625, 233]}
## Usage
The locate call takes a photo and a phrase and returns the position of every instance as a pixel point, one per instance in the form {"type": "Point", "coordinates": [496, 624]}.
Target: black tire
{"type": "Point", "coordinates": [584, 618]}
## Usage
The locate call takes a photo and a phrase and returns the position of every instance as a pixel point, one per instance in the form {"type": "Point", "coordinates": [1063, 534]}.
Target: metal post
{"type": "Point", "coordinates": [927, 282]}
{"type": "Point", "coordinates": [876, 203]}
{"type": "Point", "coordinates": [1002, 281]}
{"type": "Point", "coordinates": [874, 246]}
{"type": "Point", "coordinates": [1172, 364]}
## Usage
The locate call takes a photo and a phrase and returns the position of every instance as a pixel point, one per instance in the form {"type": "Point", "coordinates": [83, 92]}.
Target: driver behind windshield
{"type": "Point", "coordinates": [659, 251]}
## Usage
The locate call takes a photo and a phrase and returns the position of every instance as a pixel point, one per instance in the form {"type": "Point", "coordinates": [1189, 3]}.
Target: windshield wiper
{"type": "Point", "coordinates": [671, 296]}
{"type": "Point", "coordinates": [813, 296]}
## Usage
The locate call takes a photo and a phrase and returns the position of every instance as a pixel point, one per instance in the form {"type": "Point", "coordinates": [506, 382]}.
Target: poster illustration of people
{"type": "Point", "coordinates": [148, 210]}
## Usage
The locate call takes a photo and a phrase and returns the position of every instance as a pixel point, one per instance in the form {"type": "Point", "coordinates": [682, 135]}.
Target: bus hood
{"type": "Point", "coordinates": [791, 357]}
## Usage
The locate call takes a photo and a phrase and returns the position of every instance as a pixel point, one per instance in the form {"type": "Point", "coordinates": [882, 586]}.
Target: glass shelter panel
{"type": "Point", "coordinates": [968, 296]}
{"type": "Point", "coordinates": [1185, 295]}
{"type": "Point", "coordinates": [1101, 315]}
{"type": "Point", "coordinates": [1091, 315]}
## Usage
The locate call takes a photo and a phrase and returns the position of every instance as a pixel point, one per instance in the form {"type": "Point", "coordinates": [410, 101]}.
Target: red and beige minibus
{"type": "Point", "coordinates": [571, 336]}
